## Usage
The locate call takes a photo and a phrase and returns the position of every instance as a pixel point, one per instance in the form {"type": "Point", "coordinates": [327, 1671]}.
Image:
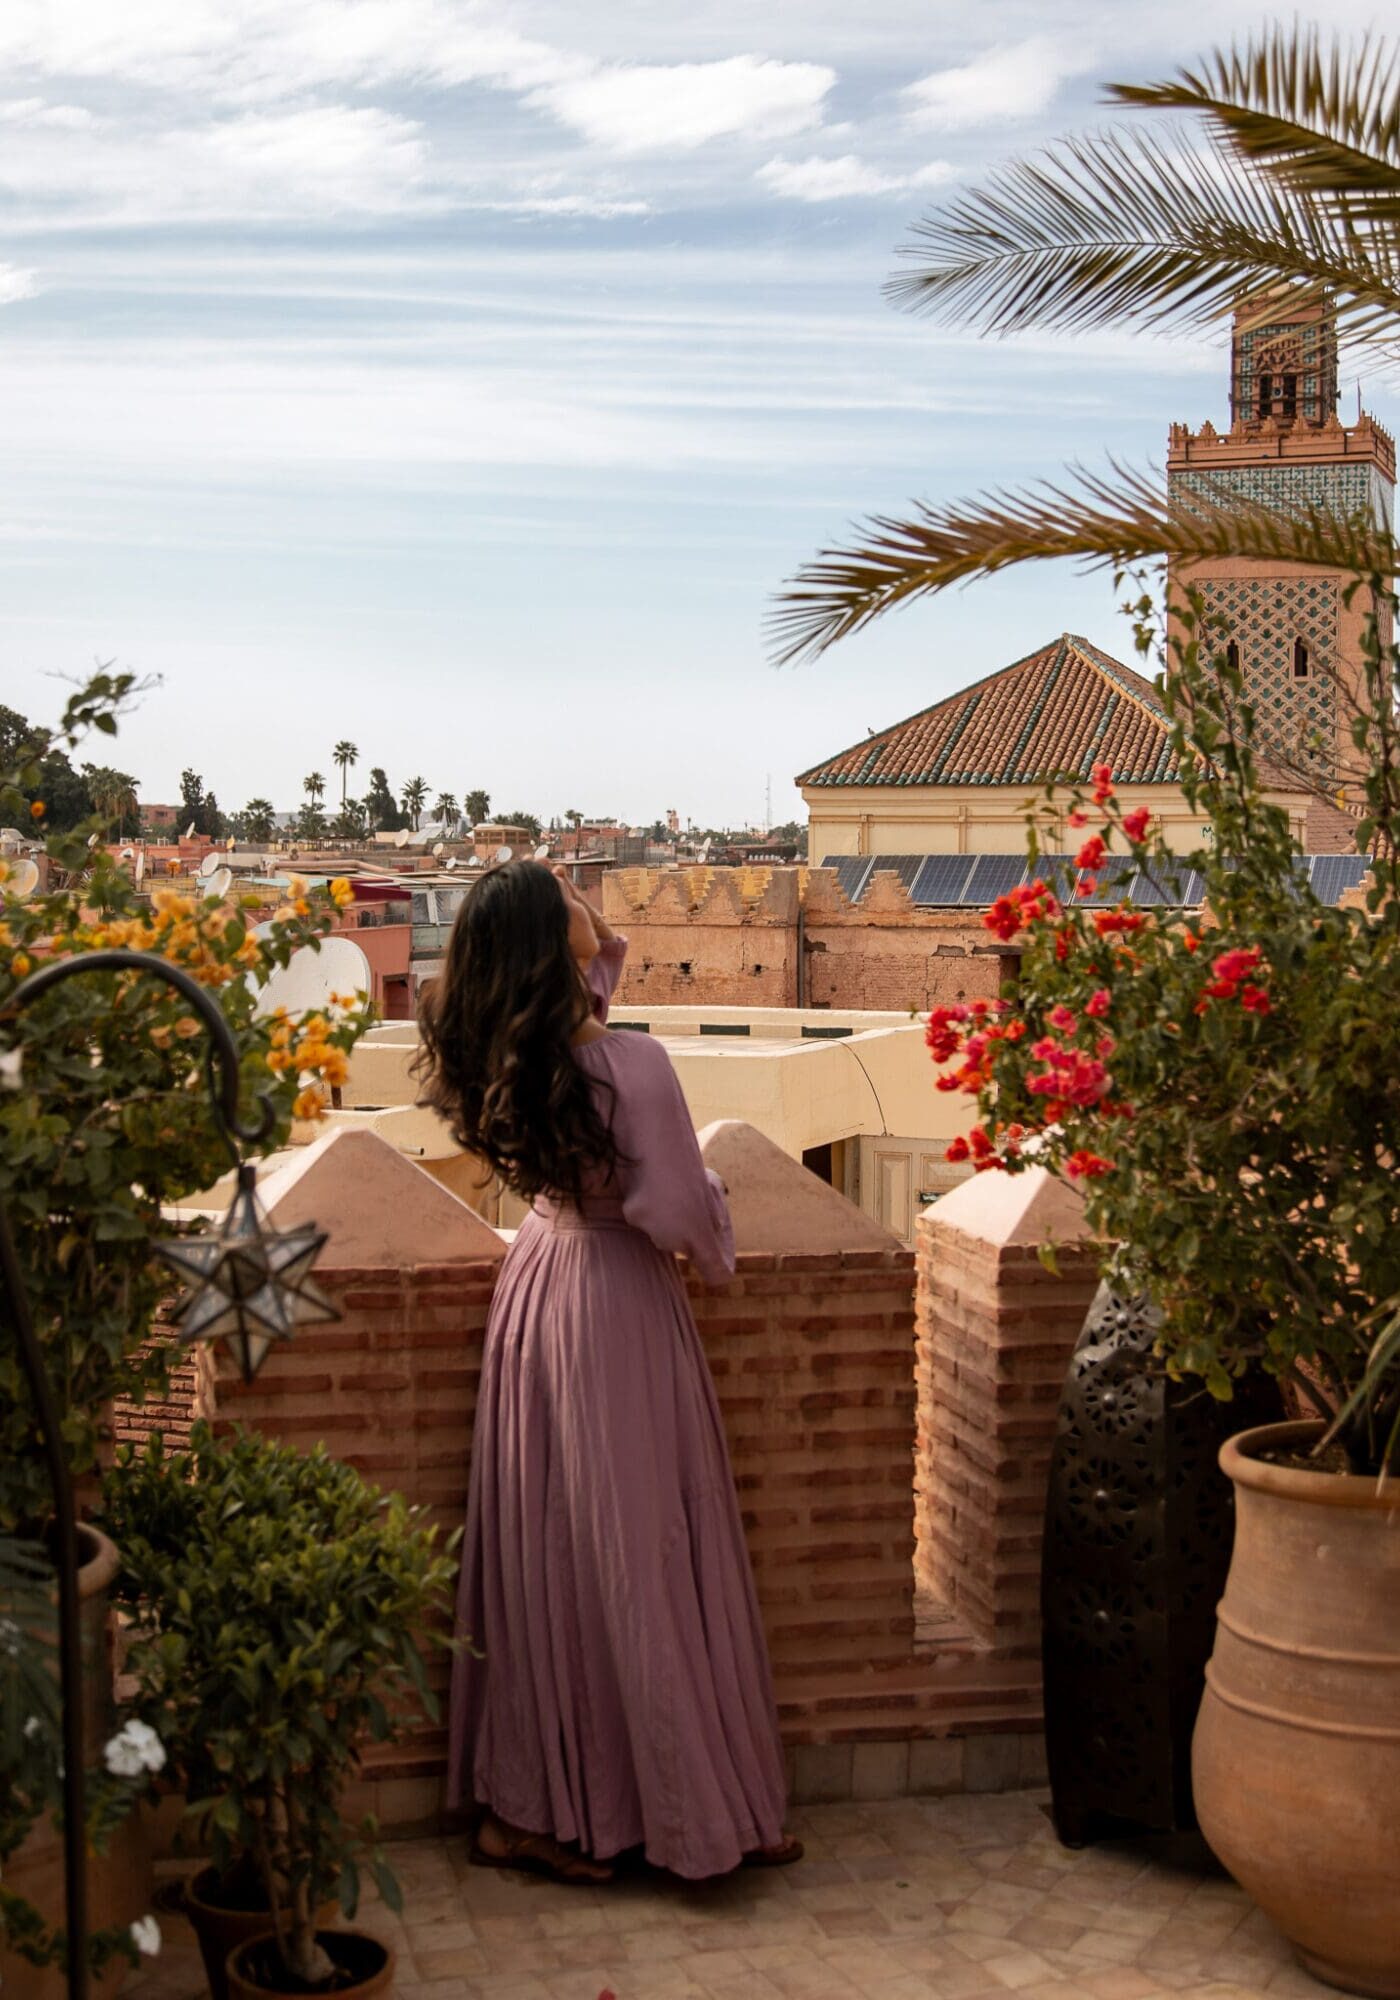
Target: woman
{"type": "Point", "coordinates": [623, 1696]}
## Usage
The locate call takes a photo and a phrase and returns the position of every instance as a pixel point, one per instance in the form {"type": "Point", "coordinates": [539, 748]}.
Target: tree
{"type": "Point", "coordinates": [381, 806]}
{"type": "Point", "coordinates": [215, 825]}
{"type": "Point", "coordinates": [574, 816]}
{"type": "Point", "coordinates": [314, 785]}
{"type": "Point", "coordinates": [311, 822]}
{"type": "Point", "coordinates": [63, 793]}
{"type": "Point", "coordinates": [476, 807]}
{"type": "Point", "coordinates": [350, 822]}
{"type": "Point", "coordinates": [257, 819]}
{"type": "Point", "coordinates": [1296, 184]}
{"type": "Point", "coordinates": [344, 755]}
{"type": "Point", "coordinates": [113, 794]}
{"type": "Point", "coordinates": [526, 820]}
{"type": "Point", "coordinates": [447, 811]}
{"type": "Point", "coordinates": [198, 808]}
{"type": "Point", "coordinates": [415, 797]}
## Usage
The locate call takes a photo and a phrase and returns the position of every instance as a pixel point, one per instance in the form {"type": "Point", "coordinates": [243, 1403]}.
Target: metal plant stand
{"type": "Point", "coordinates": [1139, 1525]}
{"type": "Point", "coordinates": [251, 1287]}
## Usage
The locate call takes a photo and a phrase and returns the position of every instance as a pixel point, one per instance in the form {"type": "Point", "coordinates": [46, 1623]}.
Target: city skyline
{"type": "Point", "coordinates": [393, 372]}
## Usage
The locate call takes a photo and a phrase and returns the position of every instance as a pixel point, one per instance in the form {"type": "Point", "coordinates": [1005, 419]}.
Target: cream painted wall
{"type": "Point", "coordinates": [972, 819]}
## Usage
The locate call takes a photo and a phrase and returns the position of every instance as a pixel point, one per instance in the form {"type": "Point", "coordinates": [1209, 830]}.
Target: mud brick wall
{"type": "Point", "coordinates": [995, 1332]}
{"type": "Point", "coordinates": [812, 1357]}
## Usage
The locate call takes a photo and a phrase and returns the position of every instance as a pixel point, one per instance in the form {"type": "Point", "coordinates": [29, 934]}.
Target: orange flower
{"type": "Point", "coordinates": [37, 809]}
{"type": "Point", "coordinates": [341, 892]}
{"type": "Point", "coordinates": [310, 1103]}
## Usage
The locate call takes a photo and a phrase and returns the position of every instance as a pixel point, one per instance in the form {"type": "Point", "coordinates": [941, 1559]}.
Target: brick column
{"type": "Point", "coordinates": [995, 1330]}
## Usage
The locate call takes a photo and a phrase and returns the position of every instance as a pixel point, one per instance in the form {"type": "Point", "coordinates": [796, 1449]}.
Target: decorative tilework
{"type": "Point", "coordinates": [1342, 489]}
{"type": "Point", "coordinates": [1265, 616]}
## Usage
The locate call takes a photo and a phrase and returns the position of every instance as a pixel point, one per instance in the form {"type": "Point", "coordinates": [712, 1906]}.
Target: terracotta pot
{"type": "Point", "coordinates": [221, 1930]}
{"type": "Point", "coordinates": [120, 1883]}
{"type": "Point", "coordinates": [369, 1963]}
{"type": "Point", "coordinates": [1296, 1758]}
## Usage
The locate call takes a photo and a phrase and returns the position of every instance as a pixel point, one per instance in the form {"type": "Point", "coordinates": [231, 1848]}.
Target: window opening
{"type": "Point", "coordinates": [1232, 656]}
{"type": "Point", "coordinates": [1300, 659]}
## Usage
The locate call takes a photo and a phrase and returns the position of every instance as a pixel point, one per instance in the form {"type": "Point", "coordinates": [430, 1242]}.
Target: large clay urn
{"type": "Point", "coordinates": [1296, 1756]}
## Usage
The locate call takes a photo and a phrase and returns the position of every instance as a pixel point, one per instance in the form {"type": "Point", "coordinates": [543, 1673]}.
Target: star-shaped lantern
{"type": "Point", "coordinates": [249, 1285]}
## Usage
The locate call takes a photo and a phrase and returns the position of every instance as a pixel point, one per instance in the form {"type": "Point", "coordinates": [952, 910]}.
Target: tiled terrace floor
{"type": "Point", "coordinates": [960, 1898]}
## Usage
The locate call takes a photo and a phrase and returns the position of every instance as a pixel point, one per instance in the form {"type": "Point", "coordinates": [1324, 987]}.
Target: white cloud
{"type": "Point", "coordinates": [649, 107]}
{"type": "Point", "coordinates": [1013, 80]}
{"type": "Point", "coordinates": [817, 179]}
{"type": "Point", "coordinates": [16, 283]}
{"type": "Point", "coordinates": [34, 111]}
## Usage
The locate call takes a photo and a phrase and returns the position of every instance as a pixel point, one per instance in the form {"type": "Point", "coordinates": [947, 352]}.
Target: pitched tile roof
{"type": "Point", "coordinates": [1055, 713]}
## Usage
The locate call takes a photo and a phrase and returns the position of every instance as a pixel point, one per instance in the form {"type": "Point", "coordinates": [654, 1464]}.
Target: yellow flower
{"type": "Point", "coordinates": [186, 1027]}
{"type": "Point", "coordinates": [161, 1036]}
{"type": "Point", "coordinates": [341, 892]}
{"type": "Point", "coordinates": [20, 964]}
{"type": "Point", "coordinates": [170, 903]}
{"type": "Point", "coordinates": [296, 885]}
{"type": "Point", "coordinates": [279, 1060]}
{"type": "Point", "coordinates": [5, 935]}
{"type": "Point", "coordinates": [310, 1103]}
{"type": "Point", "coordinates": [38, 809]}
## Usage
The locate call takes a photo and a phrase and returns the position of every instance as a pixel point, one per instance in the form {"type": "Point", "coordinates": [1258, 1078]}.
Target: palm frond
{"type": "Point", "coordinates": [1322, 117]}
{"type": "Point", "coordinates": [1116, 518]}
{"type": "Point", "coordinates": [1116, 228]}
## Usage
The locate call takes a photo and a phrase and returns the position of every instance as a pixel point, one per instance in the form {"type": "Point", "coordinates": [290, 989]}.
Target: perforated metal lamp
{"type": "Point", "coordinates": [251, 1285]}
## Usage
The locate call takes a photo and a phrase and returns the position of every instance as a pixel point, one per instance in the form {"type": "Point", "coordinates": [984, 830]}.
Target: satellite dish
{"type": "Point", "coordinates": [501, 854]}
{"type": "Point", "coordinates": [220, 882]}
{"type": "Point", "coordinates": [473, 861]}
{"type": "Point", "coordinates": [140, 864]}
{"type": "Point", "coordinates": [308, 979]}
{"type": "Point", "coordinates": [208, 864]}
{"type": "Point", "coordinates": [230, 843]}
{"type": "Point", "coordinates": [94, 840]}
{"type": "Point", "coordinates": [402, 837]}
{"type": "Point", "coordinates": [189, 831]}
{"type": "Point", "coordinates": [438, 846]}
{"type": "Point", "coordinates": [451, 861]}
{"type": "Point", "coordinates": [542, 851]}
{"type": "Point", "coordinates": [23, 880]}
{"type": "Point", "coordinates": [128, 854]}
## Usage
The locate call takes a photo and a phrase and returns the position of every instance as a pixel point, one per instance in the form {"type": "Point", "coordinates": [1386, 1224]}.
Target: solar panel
{"type": "Point", "coordinates": [1177, 887]}
{"type": "Point", "coordinates": [992, 875]}
{"type": "Point", "coordinates": [1334, 874]}
{"type": "Point", "coordinates": [905, 866]}
{"type": "Point", "coordinates": [852, 872]}
{"type": "Point", "coordinates": [1057, 871]}
{"type": "Point", "coordinates": [942, 879]}
{"type": "Point", "coordinates": [1115, 880]}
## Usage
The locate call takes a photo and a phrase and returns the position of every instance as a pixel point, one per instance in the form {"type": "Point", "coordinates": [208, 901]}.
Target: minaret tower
{"type": "Point", "coordinates": [1298, 643]}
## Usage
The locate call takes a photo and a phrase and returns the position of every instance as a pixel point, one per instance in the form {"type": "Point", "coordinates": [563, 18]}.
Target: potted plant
{"type": "Point", "coordinates": [33, 1942]}
{"type": "Point", "coordinates": [1224, 1089]}
{"type": "Point", "coordinates": [279, 1606]}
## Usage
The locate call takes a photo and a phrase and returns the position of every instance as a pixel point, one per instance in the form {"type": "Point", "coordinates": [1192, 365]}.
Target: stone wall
{"type": "Point", "coordinates": [732, 937]}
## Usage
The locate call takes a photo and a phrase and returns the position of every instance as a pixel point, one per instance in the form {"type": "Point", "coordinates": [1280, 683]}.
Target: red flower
{"type": "Point", "coordinates": [1084, 1165]}
{"type": "Point", "coordinates": [1104, 1047]}
{"type": "Point", "coordinates": [982, 1147]}
{"type": "Point", "coordinates": [1086, 886]}
{"type": "Point", "coordinates": [1191, 942]}
{"type": "Point", "coordinates": [1135, 823]}
{"type": "Point", "coordinates": [1077, 818]}
{"type": "Point", "coordinates": [1103, 784]}
{"type": "Point", "coordinates": [1098, 1003]}
{"type": "Point", "coordinates": [1102, 774]}
{"type": "Point", "coordinates": [1254, 1000]}
{"type": "Point", "coordinates": [1092, 853]}
{"type": "Point", "coordinates": [1060, 1017]}
{"type": "Point", "coordinates": [1237, 964]}
{"type": "Point", "coordinates": [957, 1149]}
{"type": "Point", "coordinates": [1117, 920]}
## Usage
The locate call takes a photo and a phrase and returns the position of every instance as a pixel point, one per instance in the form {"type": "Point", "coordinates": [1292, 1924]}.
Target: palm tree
{"type": "Point", "coordinates": [113, 793]}
{"type": "Point", "coordinates": [1295, 184]}
{"type": "Point", "coordinates": [447, 811]}
{"type": "Point", "coordinates": [344, 755]}
{"type": "Point", "coordinates": [574, 816]}
{"type": "Point", "coordinates": [314, 786]}
{"type": "Point", "coordinates": [257, 819]}
{"type": "Point", "coordinates": [415, 797]}
{"type": "Point", "coordinates": [476, 807]}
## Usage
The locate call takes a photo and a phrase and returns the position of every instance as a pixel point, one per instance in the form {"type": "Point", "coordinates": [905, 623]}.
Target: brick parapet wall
{"type": "Point", "coordinates": [995, 1331]}
{"type": "Point", "coordinates": [812, 1357]}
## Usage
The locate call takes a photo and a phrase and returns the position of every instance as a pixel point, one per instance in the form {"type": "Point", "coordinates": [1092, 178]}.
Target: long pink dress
{"type": "Point", "coordinates": [624, 1698]}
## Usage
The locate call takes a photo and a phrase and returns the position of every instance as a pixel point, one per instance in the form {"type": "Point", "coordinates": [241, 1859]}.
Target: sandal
{"type": "Point", "coordinates": [788, 1850]}
{"type": "Point", "coordinates": [537, 1854]}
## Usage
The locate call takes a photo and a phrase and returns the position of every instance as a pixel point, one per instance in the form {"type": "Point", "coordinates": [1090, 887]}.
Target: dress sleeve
{"type": "Point", "coordinates": [667, 1190]}
{"type": "Point", "coordinates": [604, 973]}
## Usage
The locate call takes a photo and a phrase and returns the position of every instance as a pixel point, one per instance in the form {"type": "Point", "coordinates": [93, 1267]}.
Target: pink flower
{"type": "Point", "coordinates": [1237, 964]}
{"type": "Point", "coordinates": [1060, 1017]}
{"type": "Point", "coordinates": [1255, 1000]}
{"type": "Point", "coordinates": [1098, 1003]}
{"type": "Point", "coordinates": [1135, 823]}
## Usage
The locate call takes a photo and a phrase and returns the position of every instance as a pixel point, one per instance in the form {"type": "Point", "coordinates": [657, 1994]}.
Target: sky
{"type": "Point", "coordinates": [465, 379]}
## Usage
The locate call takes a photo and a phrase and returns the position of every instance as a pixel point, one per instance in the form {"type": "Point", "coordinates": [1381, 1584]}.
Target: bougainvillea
{"type": "Point", "coordinates": [1222, 1085]}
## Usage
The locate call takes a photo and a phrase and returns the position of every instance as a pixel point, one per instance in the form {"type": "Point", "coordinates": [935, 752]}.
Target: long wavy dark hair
{"type": "Point", "coordinates": [495, 1057]}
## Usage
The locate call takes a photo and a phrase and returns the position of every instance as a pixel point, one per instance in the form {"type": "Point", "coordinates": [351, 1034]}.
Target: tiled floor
{"type": "Point", "coordinates": [959, 1898]}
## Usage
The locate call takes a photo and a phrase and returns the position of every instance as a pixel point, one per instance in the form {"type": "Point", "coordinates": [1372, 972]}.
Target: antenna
{"type": "Point", "coordinates": [209, 864]}
{"type": "Point", "coordinates": [502, 854]}
{"type": "Point", "coordinates": [219, 883]}
{"type": "Point", "coordinates": [542, 851]}
{"type": "Point", "coordinates": [438, 846]}
{"type": "Point", "coordinates": [768, 804]}
{"type": "Point", "coordinates": [189, 831]}
{"type": "Point", "coordinates": [402, 837]}
{"type": "Point", "coordinates": [451, 861]}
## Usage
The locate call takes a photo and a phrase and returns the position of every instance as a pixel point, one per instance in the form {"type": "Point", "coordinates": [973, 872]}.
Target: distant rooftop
{"type": "Point", "coordinates": [973, 881]}
{"type": "Point", "coordinates": [1057, 712]}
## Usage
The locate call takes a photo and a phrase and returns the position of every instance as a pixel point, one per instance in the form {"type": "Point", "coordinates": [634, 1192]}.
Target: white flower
{"type": "Point", "coordinates": [145, 1935]}
{"type": "Point", "coordinates": [32, 1726]}
{"type": "Point", "coordinates": [135, 1748]}
{"type": "Point", "coordinates": [12, 1069]}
